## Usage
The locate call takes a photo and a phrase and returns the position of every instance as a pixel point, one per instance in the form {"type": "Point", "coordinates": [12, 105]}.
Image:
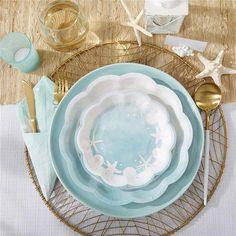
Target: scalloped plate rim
{"type": "Point", "coordinates": [184, 182]}
{"type": "Point", "coordinates": [156, 192]}
{"type": "Point", "coordinates": [109, 98]}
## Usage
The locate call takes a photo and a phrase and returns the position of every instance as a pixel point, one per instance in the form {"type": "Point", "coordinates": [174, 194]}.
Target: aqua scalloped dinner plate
{"type": "Point", "coordinates": [174, 191]}
{"type": "Point", "coordinates": [96, 90]}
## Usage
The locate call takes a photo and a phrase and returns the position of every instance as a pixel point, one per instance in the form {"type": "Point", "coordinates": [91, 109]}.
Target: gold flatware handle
{"type": "Point", "coordinates": [34, 126]}
{"type": "Point", "coordinates": [29, 94]}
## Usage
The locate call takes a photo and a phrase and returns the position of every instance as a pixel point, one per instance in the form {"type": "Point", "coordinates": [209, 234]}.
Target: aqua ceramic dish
{"type": "Point", "coordinates": [132, 82]}
{"type": "Point", "coordinates": [126, 139]}
{"type": "Point", "coordinates": [132, 210]}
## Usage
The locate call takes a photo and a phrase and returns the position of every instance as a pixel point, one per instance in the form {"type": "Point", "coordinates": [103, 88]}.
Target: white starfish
{"type": "Point", "coordinates": [111, 167]}
{"type": "Point", "coordinates": [214, 68]}
{"type": "Point", "coordinates": [94, 142]}
{"type": "Point", "coordinates": [134, 24]}
{"type": "Point", "coordinates": [145, 163]}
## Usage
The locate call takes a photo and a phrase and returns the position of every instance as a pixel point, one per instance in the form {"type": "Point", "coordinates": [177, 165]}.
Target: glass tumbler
{"type": "Point", "coordinates": [63, 25]}
{"type": "Point", "coordinates": [16, 49]}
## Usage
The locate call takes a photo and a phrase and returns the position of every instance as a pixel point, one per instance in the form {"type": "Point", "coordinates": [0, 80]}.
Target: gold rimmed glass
{"type": "Point", "coordinates": [63, 25]}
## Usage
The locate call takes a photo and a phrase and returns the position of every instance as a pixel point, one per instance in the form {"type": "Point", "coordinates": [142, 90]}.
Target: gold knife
{"type": "Point", "coordinates": [29, 93]}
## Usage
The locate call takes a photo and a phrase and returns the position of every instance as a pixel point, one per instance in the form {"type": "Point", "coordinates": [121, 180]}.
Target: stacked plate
{"type": "Point", "coordinates": [122, 140]}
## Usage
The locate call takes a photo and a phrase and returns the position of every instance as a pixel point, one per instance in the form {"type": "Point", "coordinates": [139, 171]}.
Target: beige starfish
{"type": "Point", "coordinates": [134, 24]}
{"type": "Point", "coordinates": [214, 68]}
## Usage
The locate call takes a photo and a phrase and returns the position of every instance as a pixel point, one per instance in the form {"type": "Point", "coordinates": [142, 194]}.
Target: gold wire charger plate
{"type": "Point", "coordinates": [87, 221]}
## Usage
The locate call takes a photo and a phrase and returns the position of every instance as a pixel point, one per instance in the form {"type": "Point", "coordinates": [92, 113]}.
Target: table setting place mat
{"type": "Point", "coordinates": [123, 137]}
{"type": "Point", "coordinates": [38, 156]}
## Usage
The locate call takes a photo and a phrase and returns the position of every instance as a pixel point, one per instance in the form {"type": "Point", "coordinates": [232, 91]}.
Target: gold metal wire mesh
{"type": "Point", "coordinates": [89, 222]}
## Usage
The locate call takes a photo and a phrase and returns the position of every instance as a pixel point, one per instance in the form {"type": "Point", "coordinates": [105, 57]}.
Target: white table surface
{"type": "Point", "coordinates": [22, 212]}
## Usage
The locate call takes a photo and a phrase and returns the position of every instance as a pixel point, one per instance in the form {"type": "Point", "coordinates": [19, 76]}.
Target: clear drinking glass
{"type": "Point", "coordinates": [17, 50]}
{"type": "Point", "coordinates": [63, 25]}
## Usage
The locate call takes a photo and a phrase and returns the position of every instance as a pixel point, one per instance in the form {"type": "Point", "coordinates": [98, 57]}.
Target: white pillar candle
{"type": "Point", "coordinates": [21, 54]}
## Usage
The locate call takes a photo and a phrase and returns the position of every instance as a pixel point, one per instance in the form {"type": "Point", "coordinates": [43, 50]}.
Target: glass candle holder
{"type": "Point", "coordinates": [165, 16]}
{"type": "Point", "coordinates": [63, 25]}
{"type": "Point", "coordinates": [16, 49]}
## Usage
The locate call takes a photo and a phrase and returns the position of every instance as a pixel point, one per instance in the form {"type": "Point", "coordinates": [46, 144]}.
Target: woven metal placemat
{"type": "Point", "coordinates": [169, 220]}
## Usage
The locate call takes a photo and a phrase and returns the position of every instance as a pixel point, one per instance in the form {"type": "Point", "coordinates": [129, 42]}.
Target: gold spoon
{"type": "Point", "coordinates": [207, 97]}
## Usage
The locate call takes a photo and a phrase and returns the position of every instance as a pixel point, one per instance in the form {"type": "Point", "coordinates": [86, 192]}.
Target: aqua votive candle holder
{"type": "Point", "coordinates": [17, 50]}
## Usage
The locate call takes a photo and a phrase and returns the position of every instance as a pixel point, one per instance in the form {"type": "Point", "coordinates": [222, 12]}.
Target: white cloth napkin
{"type": "Point", "coordinates": [37, 143]}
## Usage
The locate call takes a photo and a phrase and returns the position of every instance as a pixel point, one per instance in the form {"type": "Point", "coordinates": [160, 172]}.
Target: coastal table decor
{"type": "Point", "coordinates": [214, 25]}
{"type": "Point", "coordinates": [214, 69]}
{"type": "Point", "coordinates": [68, 164]}
{"type": "Point", "coordinates": [37, 143]}
{"type": "Point", "coordinates": [134, 23]}
{"type": "Point", "coordinates": [77, 109]}
{"type": "Point", "coordinates": [183, 46]}
{"type": "Point", "coordinates": [207, 97]}
{"type": "Point", "coordinates": [165, 16]}
{"type": "Point", "coordinates": [89, 222]}
{"type": "Point", "coordinates": [63, 25]}
{"type": "Point", "coordinates": [183, 51]}
{"type": "Point", "coordinates": [17, 50]}
{"type": "Point", "coordinates": [29, 95]}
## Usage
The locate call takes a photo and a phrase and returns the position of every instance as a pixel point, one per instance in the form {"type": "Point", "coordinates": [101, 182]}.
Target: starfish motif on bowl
{"type": "Point", "coordinates": [111, 168]}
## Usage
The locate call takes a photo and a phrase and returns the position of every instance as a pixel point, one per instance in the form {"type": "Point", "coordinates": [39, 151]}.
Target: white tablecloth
{"type": "Point", "coordinates": [23, 213]}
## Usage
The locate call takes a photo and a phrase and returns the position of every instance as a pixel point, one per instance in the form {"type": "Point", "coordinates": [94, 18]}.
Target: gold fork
{"type": "Point", "coordinates": [60, 89]}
